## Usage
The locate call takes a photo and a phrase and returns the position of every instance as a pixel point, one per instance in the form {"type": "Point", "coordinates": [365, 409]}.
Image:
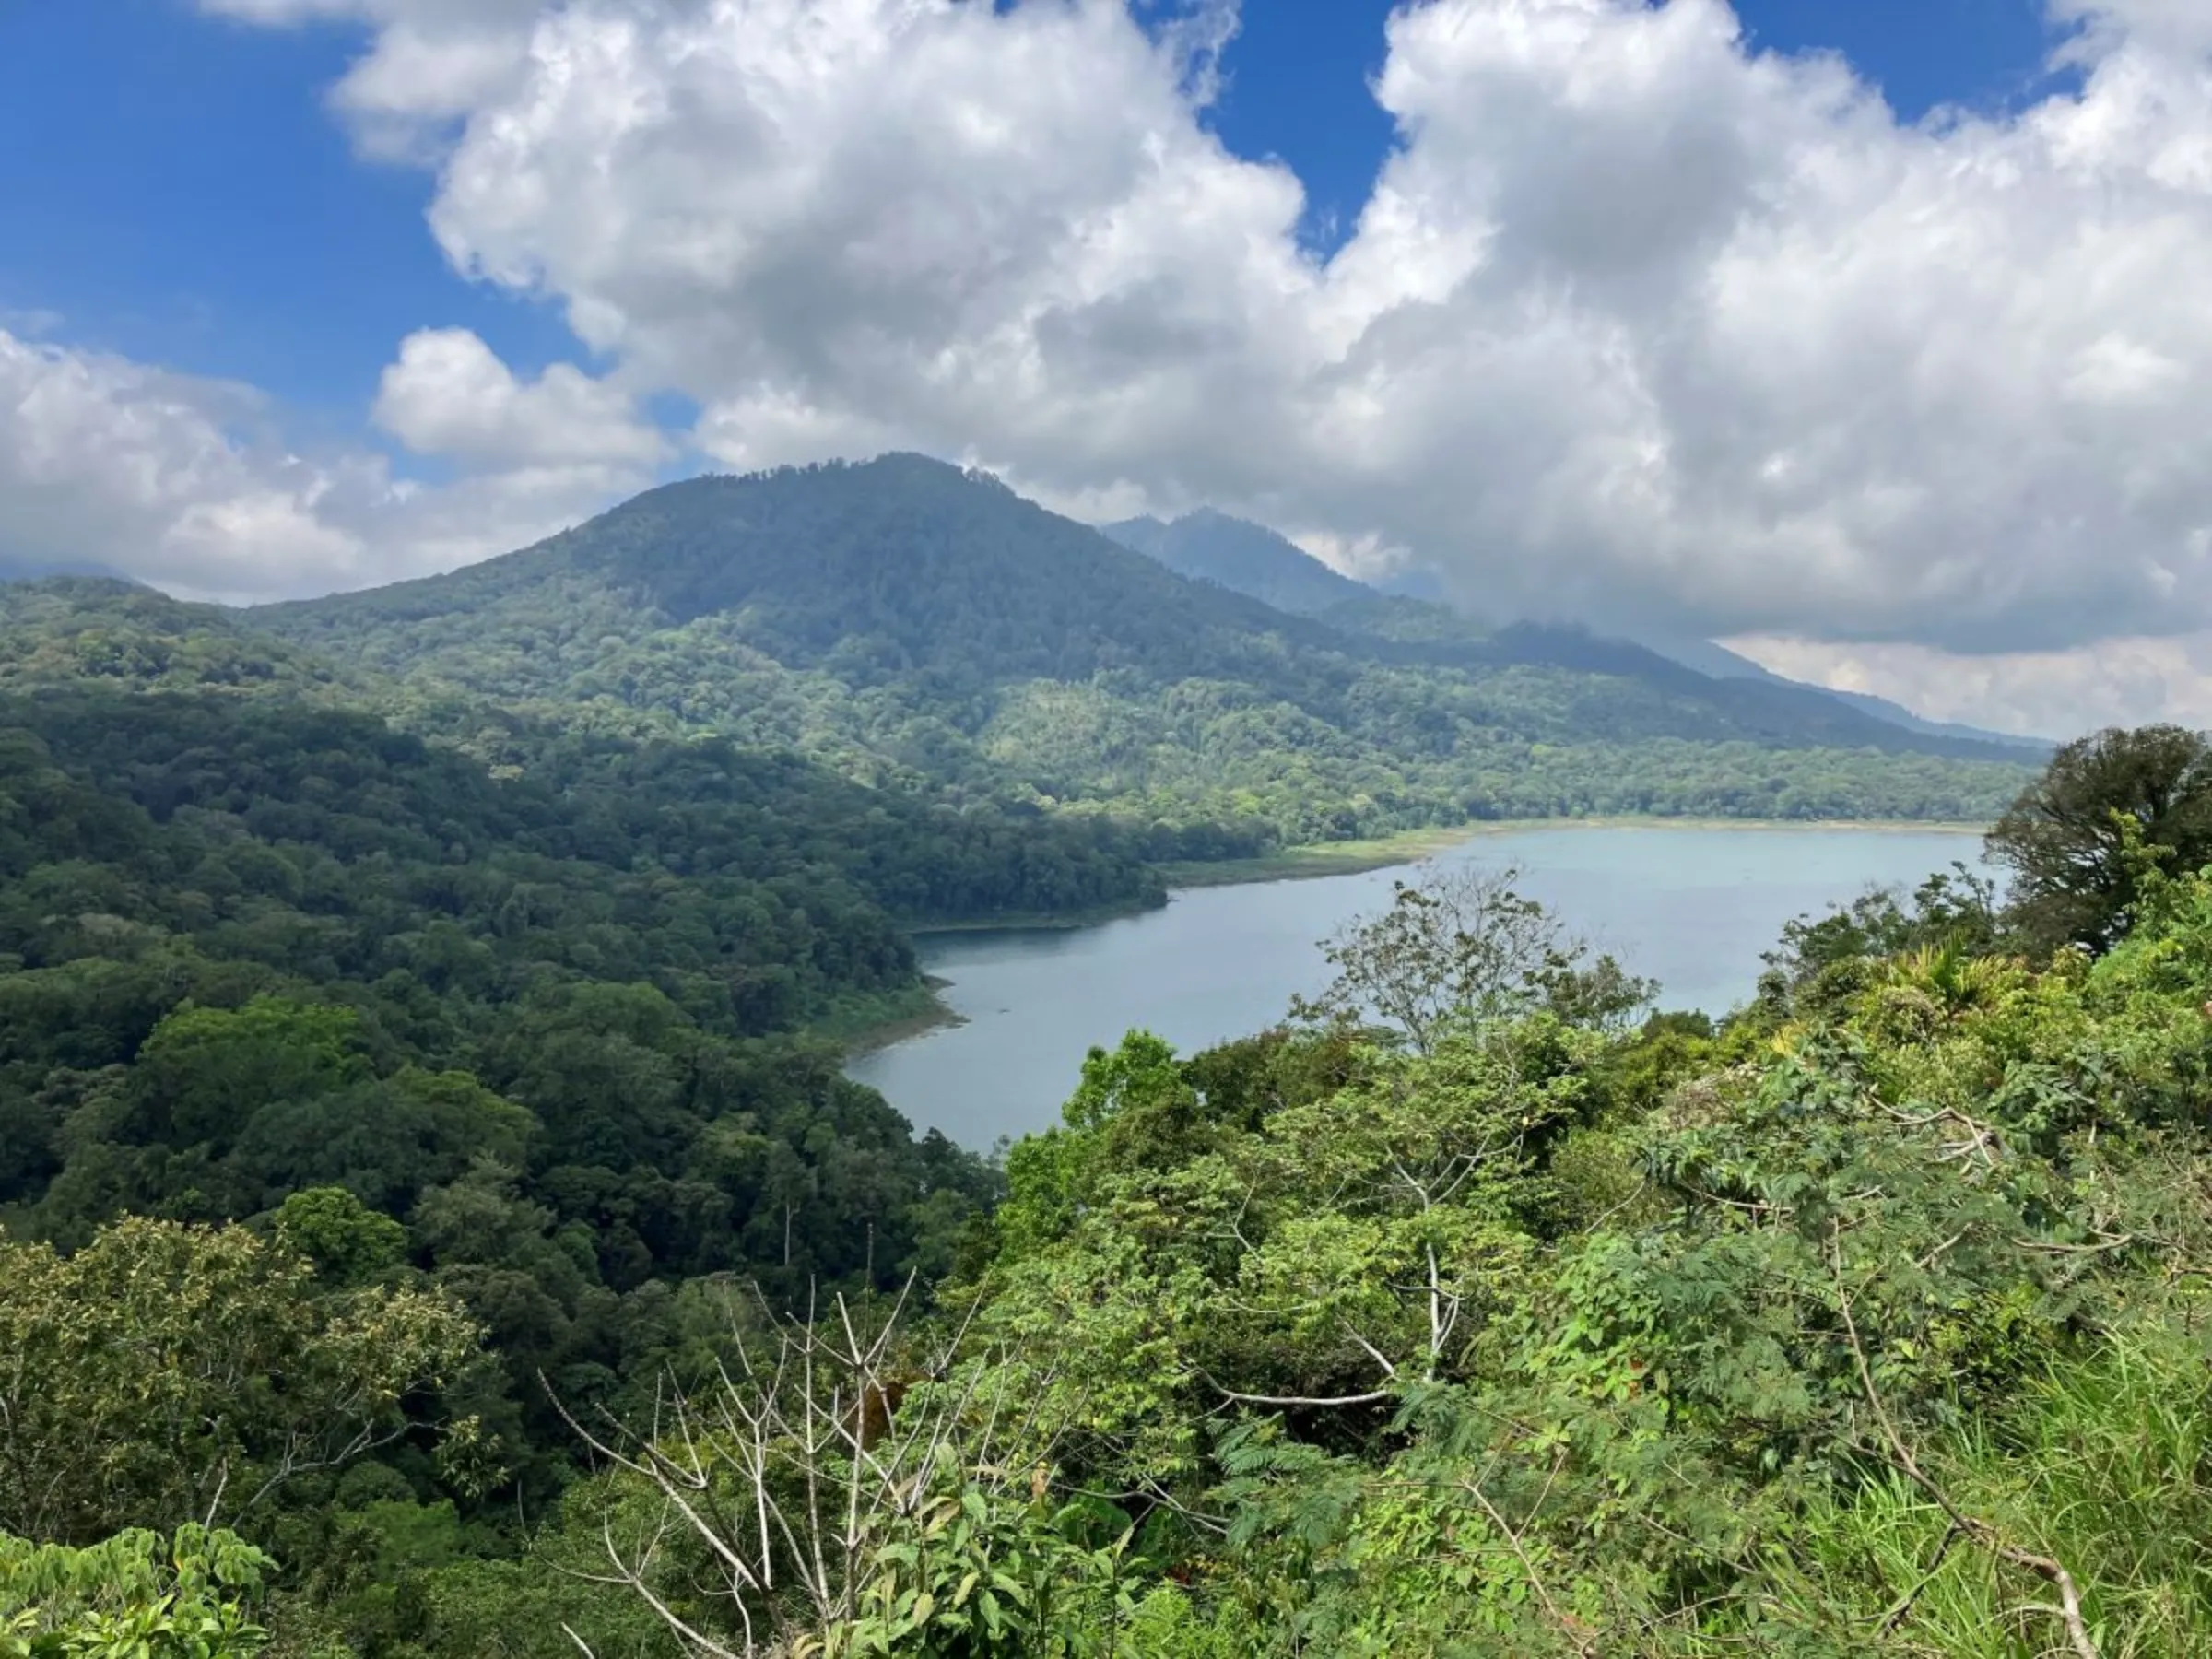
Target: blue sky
{"type": "Point", "coordinates": [173, 188]}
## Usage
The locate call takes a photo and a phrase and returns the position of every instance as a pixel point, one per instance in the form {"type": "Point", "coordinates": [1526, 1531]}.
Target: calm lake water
{"type": "Point", "coordinates": [1691, 908]}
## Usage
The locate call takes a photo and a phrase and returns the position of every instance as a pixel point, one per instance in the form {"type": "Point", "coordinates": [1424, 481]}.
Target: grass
{"type": "Point", "coordinates": [1329, 858]}
{"type": "Point", "coordinates": [2104, 1463]}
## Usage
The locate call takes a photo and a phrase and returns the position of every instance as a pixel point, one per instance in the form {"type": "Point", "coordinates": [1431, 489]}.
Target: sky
{"type": "Point", "coordinates": [1867, 335]}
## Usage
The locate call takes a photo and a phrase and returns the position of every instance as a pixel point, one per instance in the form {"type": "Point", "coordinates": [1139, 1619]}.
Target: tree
{"type": "Point", "coordinates": [1953, 911]}
{"type": "Point", "coordinates": [167, 1374]}
{"type": "Point", "coordinates": [1464, 948]}
{"type": "Point", "coordinates": [841, 1492]}
{"type": "Point", "coordinates": [205, 1072]}
{"type": "Point", "coordinates": [2073, 882]}
{"type": "Point", "coordinates": [344, 1238]}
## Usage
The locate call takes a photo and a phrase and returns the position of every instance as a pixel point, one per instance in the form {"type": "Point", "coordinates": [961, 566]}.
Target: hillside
{"type": "Point", "coordinates": [1717, 662]}
{"type": "Point", "coordinates": [1245, 557]}
{"type": "Point", "coordinates": [137, 692]}
{"type": "Point", "coordinates": [1474, 1315]}
{"type": "Point", "coordinates": [921, 626]}
{"type": "Point", "coordinates": [79, 630]}
{"type": "Point", "coordinates": [1242, 556]}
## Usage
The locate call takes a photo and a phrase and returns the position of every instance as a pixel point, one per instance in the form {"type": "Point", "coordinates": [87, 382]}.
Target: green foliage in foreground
{"type": "Point", "coordinates": [165, 1374]}
{"type": "Point", "coordinates": [136, 1595]}
{"type": "Point", "coordinates": [1871, 1323]}
{"type": "Point", "coordinates": [510, 1304]}
{"type": "Point", "coordinates": [1868, 1324]}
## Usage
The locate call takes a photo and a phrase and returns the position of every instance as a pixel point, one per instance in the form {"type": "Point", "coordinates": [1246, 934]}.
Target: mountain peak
{"type": "Point", "coordinates": [899, 564]}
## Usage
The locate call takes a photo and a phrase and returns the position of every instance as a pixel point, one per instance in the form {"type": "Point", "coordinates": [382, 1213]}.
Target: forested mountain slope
{"type": "Point", "coordinates": [1720, 663]}
{"type": "Point", "coordinates": [1243, 556]}
{"type": "Point", "coordinates": [1250, 559]}
{"type": "Point", "coordinates": [82, 631]}
{"type": "Point", "coordinates": [914, 624]}
{"type": "Point", "coordinates": [697, 806]}
{"type": "Point", "coordinates": [548, 1020]}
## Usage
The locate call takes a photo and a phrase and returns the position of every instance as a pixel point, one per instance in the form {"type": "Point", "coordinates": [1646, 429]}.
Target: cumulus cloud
{"type": "Point", "coordinates": [187, 483]}
{"type": "Point", "coordinates": [1639, 324]}
{"type": "Point", "coordinates": [448, 395]}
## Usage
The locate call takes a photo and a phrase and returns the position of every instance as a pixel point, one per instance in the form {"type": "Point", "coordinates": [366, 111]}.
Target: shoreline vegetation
{"type": "Point", "coordinates": [915, 1015]}
{"type": "Point", "coordinates": [1352, 858]}
{"type": "Point", "coordinates": [929, 1011]}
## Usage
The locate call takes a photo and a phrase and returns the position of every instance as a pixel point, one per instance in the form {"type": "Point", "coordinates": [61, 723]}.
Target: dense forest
{"type": "Point", "coordinates": [252, 949]}
{"type": "Point", "coordinates": [401, 1272]}
{"type": "Point", "coordinates": [434, 1220]}
{"type": "Point", "coordinates": [1245, 557]}
{"type": "Point", "coordinates": [920, 627]}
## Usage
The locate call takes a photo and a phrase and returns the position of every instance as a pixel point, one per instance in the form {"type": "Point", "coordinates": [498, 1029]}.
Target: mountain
{"type": "Point", "coordinates": [1251, 559]}
{"type": "Point", "coordinates": [1720, 663]}
{"type": "Point", "coordinates": [153, 668]}
{"type": "Point", "coordinates": [32, 566]}
{"type": "Point", "coordinates": [1881, 708]}
{"type": "Point", "coordinates": [1242, 556]}
{"type": "Point", "coordinates": [104, 631]}
{"type": "Point", "coordinates": [1714, 662]}
{"type": "Point", "coordinates": [925, 629]}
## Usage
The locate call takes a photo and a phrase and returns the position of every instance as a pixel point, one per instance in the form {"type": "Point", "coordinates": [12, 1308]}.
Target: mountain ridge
{"type": "Point", "coordinates": [1250, 557]}
{"type": "Point", "coordinates": [924, 628]}
{"type": "Point", "coordinates": [1242, 556]}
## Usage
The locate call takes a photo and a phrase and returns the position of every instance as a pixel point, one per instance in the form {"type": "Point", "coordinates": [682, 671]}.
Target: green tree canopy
{"type": "Point", "coordinates": [2073, 881]}
{"type": "Point", "coordinates": [168, 1374]}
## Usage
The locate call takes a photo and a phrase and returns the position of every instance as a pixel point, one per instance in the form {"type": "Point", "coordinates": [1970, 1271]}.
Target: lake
{"type": "Point", "coordinates": [1691, 907]}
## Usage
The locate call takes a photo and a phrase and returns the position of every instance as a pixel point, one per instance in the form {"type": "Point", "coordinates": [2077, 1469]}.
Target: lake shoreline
{"type": "Point", "coordinates": [934, 1015]}
{"type": "Point", "coordinates": [1318, 862]}
{"type": "Point", "coordinates": [1353, 858]}
{"type": "Point", "coordinates": [1694, 908]}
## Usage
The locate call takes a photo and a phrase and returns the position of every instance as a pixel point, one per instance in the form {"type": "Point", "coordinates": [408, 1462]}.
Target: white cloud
{"type": "Point", "coordinates": [2048, 693]}
{"type": "Point", "coordinates": [448, 395]}
{"type": "Point", "coordinates": [430, 65]}
{"type": "Point", "coordinates": [1638, 323]}
{"type": "Point", "coordinates": [183, 483]}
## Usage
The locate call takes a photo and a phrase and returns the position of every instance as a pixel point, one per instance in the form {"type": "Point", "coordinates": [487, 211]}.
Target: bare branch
{"type": "Point", "coordinates": [1568, 1626]}
{"type": "Point", "coordinates": [1373, 1398]}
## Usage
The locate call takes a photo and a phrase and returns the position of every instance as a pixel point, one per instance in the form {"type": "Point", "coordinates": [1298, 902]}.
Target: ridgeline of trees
{"type": "Point", "coordinates": [928, 629]}
{"type": "Point", "coordinates": [512, 1307]}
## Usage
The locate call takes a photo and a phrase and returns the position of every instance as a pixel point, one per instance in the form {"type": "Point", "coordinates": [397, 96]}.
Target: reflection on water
{"type": "Point", "coordinates": [1692, 908]}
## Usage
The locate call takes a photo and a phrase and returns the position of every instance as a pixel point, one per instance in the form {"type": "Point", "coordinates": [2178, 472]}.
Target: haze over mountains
{"type": "Point", "coordinates": [1236, 553]}
{"type": "Point", "coordinates": [1251, 559]}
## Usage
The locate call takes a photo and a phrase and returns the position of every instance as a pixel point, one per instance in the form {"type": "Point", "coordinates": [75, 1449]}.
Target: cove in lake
{"type": "Point", "coordinates": [1691, 907]}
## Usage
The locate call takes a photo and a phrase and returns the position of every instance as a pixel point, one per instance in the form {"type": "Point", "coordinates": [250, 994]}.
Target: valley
{"type": "Point", "coordinates": [858, 881]}
{"type": "Point", "coordinates": [1105, 830]}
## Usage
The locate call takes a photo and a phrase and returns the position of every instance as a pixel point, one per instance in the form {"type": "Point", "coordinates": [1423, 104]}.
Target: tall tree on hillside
{"type": "Point", "coordinates": [2073, 881]}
